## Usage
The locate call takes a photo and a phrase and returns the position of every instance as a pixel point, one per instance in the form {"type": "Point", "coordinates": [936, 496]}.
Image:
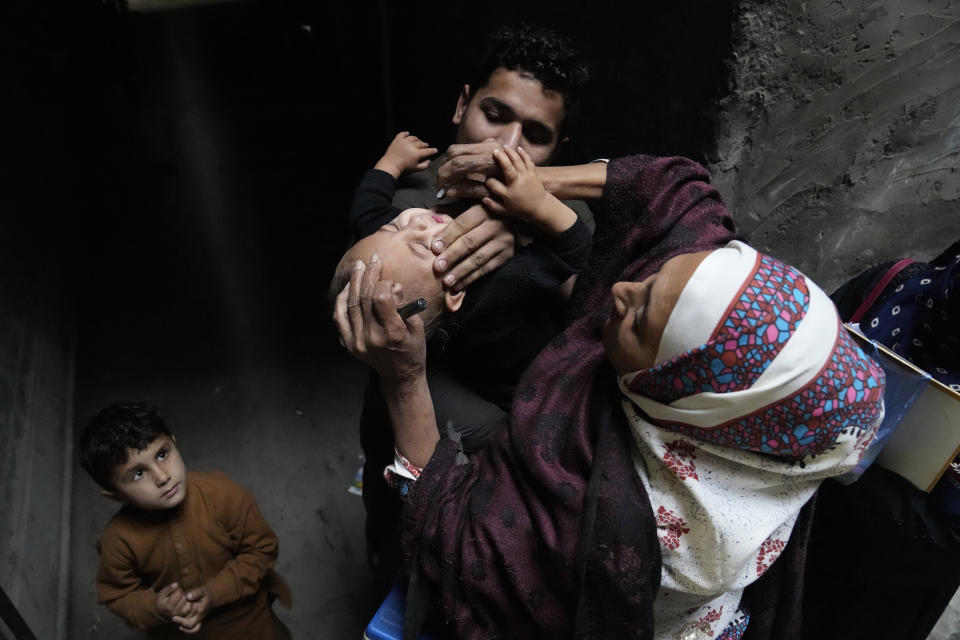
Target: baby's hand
{"type": "Point", "coordinates": [171, 601]}
{"type": "Point", "coordinates": [521, 194]}
{"type": "Point", "coordinates": [404, 154]}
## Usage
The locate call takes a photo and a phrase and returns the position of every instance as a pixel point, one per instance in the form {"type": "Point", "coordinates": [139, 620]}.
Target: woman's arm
{"type": "Point", "coordinates": [372, 331]}
{"type": "Point", "coordinates": [576, 182]}
{"type": "Point", "coordinates": [462, 164]}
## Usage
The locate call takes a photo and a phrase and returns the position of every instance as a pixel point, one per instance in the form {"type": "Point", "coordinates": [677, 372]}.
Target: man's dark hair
{"type": "Point", "coordinates": [107, 438]}
{"type": "Point", "coordinates": [543, 53]}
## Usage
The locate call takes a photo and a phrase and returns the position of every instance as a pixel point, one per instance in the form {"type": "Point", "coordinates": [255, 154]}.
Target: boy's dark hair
{"type": "Point", "coordinates": [105, 441]}
{"type": "Point", "coordinates": [545, 54]}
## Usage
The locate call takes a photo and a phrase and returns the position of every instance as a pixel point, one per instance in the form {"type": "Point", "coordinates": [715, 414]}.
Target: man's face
{"type": "Point", "coordinates": [404, 248]}
{"type": "Point", "coordinates": [152, 479]}
{"type": "Point", "coordinates": [515, 109]}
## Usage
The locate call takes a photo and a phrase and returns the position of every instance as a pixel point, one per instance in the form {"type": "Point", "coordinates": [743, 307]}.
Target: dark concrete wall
{"type": "Point", "coordinates": [35, 384]}
{"type": "Point", "coordinates": [42, 202]}
{"type": "Point", "coordinates": [36, 379]}
{"type": "Point", "coordinates": [840, 139]}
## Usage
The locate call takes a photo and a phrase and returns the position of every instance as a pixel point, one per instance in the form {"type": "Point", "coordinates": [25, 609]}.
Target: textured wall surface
{"type": "Point", "coordinates": [839, 144]}
{"type": "Point", "coordinates": [34, 393]}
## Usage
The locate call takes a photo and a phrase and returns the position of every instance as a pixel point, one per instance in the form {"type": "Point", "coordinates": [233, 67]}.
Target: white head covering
{"type": "Point", "coordinates": [754, 356]}
{"type": "Point", "coordinates": [755, 372]}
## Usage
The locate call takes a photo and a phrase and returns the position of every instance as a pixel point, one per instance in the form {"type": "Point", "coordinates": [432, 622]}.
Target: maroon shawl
{"type": "Point", "coordinates": [548, 532]}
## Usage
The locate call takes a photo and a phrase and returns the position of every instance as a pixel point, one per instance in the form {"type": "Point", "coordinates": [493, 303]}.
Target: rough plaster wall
{"type": "Point", "coordinates": [34, 398]}
{"type": "Point", "coordinates": [839, 143]}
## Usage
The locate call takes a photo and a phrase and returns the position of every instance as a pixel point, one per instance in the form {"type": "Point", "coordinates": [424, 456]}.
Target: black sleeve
{"type": "Point", "coordinates": [371, 207]}
{"type": "Point", "coordinates": [548, 261]}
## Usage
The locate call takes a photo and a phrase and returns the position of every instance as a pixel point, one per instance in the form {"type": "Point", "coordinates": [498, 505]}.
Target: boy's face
{"type": "Point", "coordinates": [151, 479]}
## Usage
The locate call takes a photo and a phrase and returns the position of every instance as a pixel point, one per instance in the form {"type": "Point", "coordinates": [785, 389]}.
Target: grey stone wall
{"type": "Point", "coordinates": [35, 390]}
{"type": "Point", "coordinates": [839, 141]}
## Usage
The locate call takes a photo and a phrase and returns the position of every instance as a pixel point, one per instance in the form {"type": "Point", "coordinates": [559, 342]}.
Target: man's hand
{"type": "Point", "coordinates": [464, 168]}
{"type": "Point", "coordinates": [471, 246]}
{"type": "Point", "coordinates": [199, 602]}
{"type": "Point", "coordinates": [371, 329]}
{"type": "Point", "coordinates": [171, 601]}
{"type": "Point", "coordinates": [405, 153]}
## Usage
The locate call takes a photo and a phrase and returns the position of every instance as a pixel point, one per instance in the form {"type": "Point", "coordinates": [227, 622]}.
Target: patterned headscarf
{"type": "Point", "coordinates": [754, 357]}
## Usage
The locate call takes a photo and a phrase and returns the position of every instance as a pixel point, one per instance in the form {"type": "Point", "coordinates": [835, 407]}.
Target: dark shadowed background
{"type": "Point", "coordinates": [173, 189]}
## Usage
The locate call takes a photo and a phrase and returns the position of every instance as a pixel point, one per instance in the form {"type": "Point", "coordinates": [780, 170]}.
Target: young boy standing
{"type": "Point", "coordinates": [188, 552]}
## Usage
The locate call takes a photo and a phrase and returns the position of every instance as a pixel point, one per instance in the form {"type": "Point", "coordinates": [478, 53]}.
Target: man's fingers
{"type": "Point", "coordinates": [467, 190]}
{"type": "Point", "coordinates": [460, 167]}
{"type": "Point", "coordinates": [460, 225]}
{"type": "Point", "coordinates": [493, 262]}
{"type": "Point", "coordinates": [461, 160]}
{"type": "Point", "coordinates": [460, 274]}
{"type": "Point", "coordinates": [487, 241]}
{"type": "Point", "coordinates": [494, 242]}
{"type": "Point", "coordinates": [168, 590]}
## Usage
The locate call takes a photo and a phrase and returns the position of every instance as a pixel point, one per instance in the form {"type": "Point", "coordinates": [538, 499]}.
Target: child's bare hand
{"type": "Point", "coordinates": [405, 153]}
{"type": "Point", "coordinates": [198, 602]}
{"type": "Point", "coordinates": [171, 601]}
{"type": "Point", "coordinates": [520, 194]}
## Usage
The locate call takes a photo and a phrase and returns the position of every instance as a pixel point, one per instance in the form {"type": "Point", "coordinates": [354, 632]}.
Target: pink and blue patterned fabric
{"type": "Point", "coordinates": [764, 316]}
{"type": "Point", "coordinates": [843, 393]}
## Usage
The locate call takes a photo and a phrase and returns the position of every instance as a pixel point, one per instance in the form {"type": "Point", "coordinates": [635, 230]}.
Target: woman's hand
{"type": "Point", "coordinates": [371, 329]}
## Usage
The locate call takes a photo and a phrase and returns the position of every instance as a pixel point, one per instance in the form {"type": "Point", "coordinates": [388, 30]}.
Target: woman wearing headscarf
{"type": "Point", "coordinates": [636, 471]}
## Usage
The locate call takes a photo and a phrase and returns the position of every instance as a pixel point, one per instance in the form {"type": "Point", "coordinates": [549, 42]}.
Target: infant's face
{"type": "Point", "coordinates": [404, 247]}
{"type": "Point", "coordinates": [631, 336]}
